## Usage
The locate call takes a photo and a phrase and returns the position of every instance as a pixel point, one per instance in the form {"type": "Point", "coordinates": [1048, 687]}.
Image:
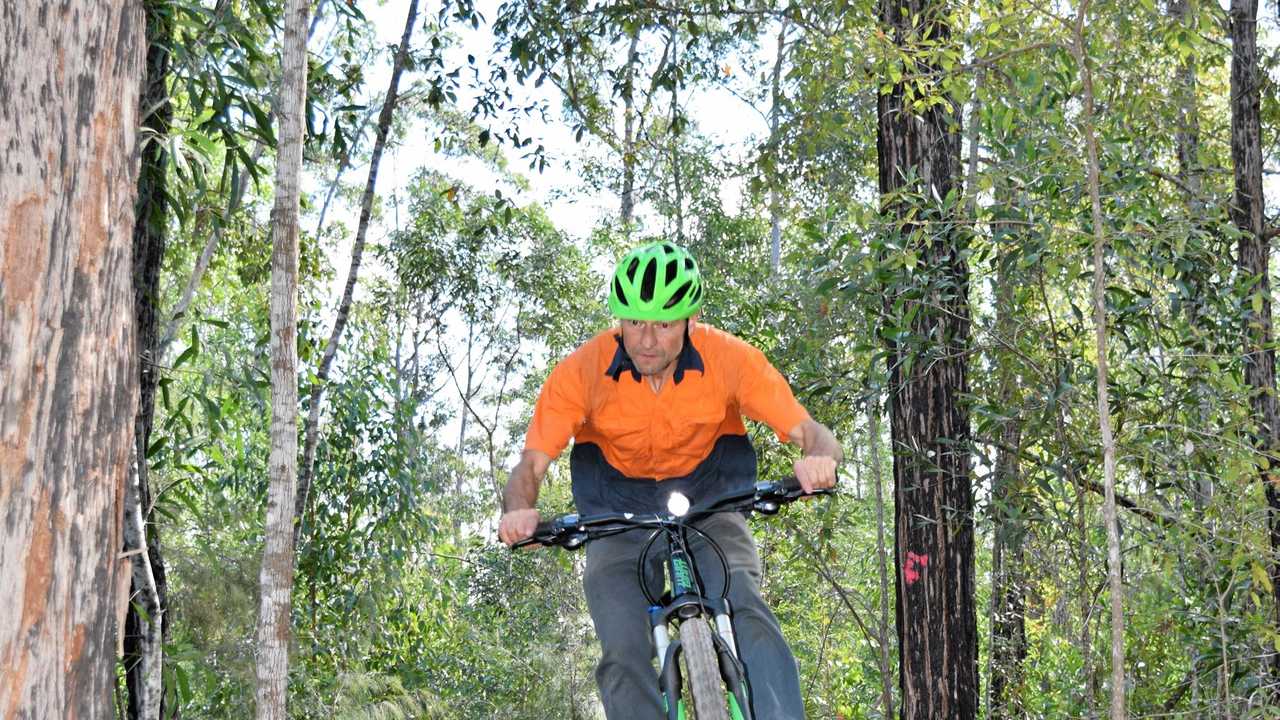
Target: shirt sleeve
{"type": "Point", "coordinates": [764, 394]}
{"type": "Point", "coordinates": [560, 411]}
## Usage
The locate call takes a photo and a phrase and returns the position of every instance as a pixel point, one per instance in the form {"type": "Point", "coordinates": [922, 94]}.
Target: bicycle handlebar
{"type": "Point", "coordinates": [571, 531]}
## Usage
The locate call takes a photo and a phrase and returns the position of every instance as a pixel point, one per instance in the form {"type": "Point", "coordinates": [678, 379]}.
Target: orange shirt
{"type": "Point", "coordinates": [591, 396]}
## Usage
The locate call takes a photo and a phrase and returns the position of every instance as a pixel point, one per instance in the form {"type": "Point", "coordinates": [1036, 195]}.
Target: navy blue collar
{"type": "Point", "coordinates": [688, 359]}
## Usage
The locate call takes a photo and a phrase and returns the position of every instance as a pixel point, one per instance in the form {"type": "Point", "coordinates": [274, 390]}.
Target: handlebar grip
{"type": "Point", "coordinates": [545, 530]}
{"type": "Point", "coordinates": [790, 488]}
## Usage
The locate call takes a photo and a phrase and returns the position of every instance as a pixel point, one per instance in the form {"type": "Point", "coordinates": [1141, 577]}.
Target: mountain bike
{"type": "Point", "coordinates": [715, 676]}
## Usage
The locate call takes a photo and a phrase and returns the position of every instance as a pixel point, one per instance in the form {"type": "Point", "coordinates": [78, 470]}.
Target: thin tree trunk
{"type": "Point", "coordinates": [343, 166]}
{"type": "Point", "coordinates": [467, 393]}
{"type": "Point", "coordinates": [146, 622]}
{"type": "Point", "coordinates": [1253, 249]}
{"type": "Point", "coordinates": [1187, 144]}
{"type": "Point", "coordinates": [882, 559]}
{"type": "Point", "coordinates": [1187, 137]}
{"type": "Point", "coordinates": [362, 231]}
{"type": "Point", "coordinates": [215, 237]}
{"type": "Point", "coordinates": [1008, 649]}
{"type": "Point", "coordinates": [928, 379]}
{"type": "Point", "coordinates": [69, 98]}
{"type": "Point", "coordinates": [276, 578]}
{"type": "Point", "coordinates": [674, 132]}
{"type": "Point", "coordinates": [1201, 484]}
{"type": "Point", "coordinates": [1104, 406]}
{"type": "Point", "coordinates": [775, 114]}
{"type": "Point", "coordinates": [629, 132]}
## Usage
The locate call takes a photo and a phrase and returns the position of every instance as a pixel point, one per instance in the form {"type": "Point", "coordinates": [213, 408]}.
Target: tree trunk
{"type": "Point", "coordinates": [236, 195]}
{"type": "Point", "coordinates": [1187, 137]}
{"type": "Point", "coordinates": [1104, 406]}
{"type": "Point", "coordinates": [673, 130]}
{"type": "Point", "coordinates": [629, 133]}
{"type": "Point", "coordinates": [362, 231]}
{"type": "Point", "coordinates": [919, 165]}
{"type": "Point", "coordinates": [1190, 173]}
{"type": "Point", "coordinates": [775, 115]}
{"type": "Point", "coordinates": [1008, 649]}
{"type": "Point", "coordinates": [68, 111]}
{"type": "Point", "coordinates": [1252, 260]}
{"type": "Point", "coordinates": [276, 577]}
{"type": "Point", "coordinates": [147, 621]}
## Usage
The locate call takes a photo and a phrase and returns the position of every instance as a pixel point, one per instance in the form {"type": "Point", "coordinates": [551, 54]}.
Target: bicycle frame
{"type": "Point", "coordinates": [684, 601]}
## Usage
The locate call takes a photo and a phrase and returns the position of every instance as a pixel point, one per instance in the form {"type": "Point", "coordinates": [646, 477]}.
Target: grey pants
{"type": "Point", "coordinates": [626, 675]}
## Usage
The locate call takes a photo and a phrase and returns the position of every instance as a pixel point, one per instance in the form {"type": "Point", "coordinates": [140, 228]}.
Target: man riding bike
{"type": "Point", "coordinates": [656, 406]}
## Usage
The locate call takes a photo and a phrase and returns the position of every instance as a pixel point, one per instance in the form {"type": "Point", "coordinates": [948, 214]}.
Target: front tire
{"type": "Point", "coordinates": [702, 670]}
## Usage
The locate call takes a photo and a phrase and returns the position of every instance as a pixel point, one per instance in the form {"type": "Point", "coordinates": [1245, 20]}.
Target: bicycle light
{"type": "Point", "coordinates": [677, 504]}
{"type": "Point", "coordinates": [766, 507]}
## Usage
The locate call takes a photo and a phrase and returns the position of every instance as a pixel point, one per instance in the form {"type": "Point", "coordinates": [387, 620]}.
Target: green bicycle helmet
{"type": "Point", "coordinates": [657, 282]}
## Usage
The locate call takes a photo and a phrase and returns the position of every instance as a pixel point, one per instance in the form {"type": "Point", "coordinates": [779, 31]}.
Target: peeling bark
{"type": "Point", "coordinates": [68, 119]}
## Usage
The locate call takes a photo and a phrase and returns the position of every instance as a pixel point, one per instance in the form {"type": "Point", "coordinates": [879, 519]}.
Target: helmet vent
{"type": "Point", "coordinates": [618, 293]}
{"type": "Point", "coordinates": [672, 268]}
{"type": "Point", "coordinates": [631, 269]}
{"type": "Point", "coordinates": [678, 295]}
{"type": "Point", "coordinates": [650, 279]}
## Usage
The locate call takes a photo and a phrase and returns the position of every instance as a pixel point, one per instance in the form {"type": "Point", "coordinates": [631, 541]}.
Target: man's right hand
{"type": "Point", "coordinates": [517, 525]}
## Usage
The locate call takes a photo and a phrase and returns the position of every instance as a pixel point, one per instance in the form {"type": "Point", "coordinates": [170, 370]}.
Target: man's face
{"type": "Point", "coordinates": [653, 346]}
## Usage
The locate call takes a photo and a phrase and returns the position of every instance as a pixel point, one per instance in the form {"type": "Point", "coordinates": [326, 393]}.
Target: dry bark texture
{"type": "Point", "coordinates": [919, 153]}
{"type": "Point", "coordinates": [68, 156]}
{"type": "Point", "coordinates": [276, 576]}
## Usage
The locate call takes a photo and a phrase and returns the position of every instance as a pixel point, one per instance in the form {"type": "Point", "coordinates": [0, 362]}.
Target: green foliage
{"type": "Point", "coordinates": [405, 605]}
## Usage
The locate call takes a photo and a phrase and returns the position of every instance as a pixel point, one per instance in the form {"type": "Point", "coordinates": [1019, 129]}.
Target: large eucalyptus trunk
{"type": "Point", "coordinates": [919, 171]}
{"type": "Point", "coordinates": [68, 373]}
{"type": "Point", "coordinates": [276, 577]}
{"type": "Point", "coordinates": [147, 620]}
{"type": "Point", "coordinates": [1252, 251]}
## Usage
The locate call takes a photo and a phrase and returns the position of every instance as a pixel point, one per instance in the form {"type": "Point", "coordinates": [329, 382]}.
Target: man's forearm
{"type": "Point", "coordinates": [521, 492]}
{"type": "Point", "coordinates": [817, 439]}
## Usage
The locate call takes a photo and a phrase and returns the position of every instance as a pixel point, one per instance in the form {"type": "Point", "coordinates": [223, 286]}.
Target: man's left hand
{"type": "Point", "coordinates": [815, 472]}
